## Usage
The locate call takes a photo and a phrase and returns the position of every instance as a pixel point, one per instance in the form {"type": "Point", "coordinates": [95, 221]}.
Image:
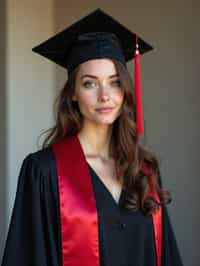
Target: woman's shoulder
{"type": "Point", "coordinates": [44, 155]}
{"type": "Point", "coordinates": [42, 160]}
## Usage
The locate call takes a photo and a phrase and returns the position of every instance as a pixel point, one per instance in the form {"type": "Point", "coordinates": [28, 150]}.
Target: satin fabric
{"type": "Point", "coordinates": [79, 219]}
{"type": "Point", "coordinates": [157, 220]}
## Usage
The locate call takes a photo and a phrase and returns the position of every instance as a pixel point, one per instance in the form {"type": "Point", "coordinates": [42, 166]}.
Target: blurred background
{"type": "Point", "coordinates": [171, 95]}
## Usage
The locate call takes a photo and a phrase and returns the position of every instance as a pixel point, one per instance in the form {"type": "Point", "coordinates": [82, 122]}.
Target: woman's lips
{"type": "Point", "coordinates": [104, 110]}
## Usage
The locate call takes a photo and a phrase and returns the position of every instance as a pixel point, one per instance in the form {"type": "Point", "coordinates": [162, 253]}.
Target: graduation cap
{"type": "Point", "coordinates": [97, 35]}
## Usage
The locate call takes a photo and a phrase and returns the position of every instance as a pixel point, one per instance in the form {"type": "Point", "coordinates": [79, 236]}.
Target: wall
{"type": "Point", "coordinates": [3, 135]}
{"type": "Point", "coordinates": [27, 92]}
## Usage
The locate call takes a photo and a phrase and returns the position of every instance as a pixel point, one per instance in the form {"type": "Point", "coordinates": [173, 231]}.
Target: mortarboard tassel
{"type": "Point", "coordinates": [138, 91]}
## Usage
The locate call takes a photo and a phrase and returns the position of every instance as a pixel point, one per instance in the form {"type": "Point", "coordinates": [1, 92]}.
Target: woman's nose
{"type": "Point", "coordinates": [103, 93]}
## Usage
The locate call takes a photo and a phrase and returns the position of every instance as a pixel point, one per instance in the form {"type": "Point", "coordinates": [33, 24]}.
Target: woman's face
{"type": "Point", "coordinates": [98, 91]}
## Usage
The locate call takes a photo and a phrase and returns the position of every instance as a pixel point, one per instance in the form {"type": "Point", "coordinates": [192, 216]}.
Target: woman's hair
{"type": "Point", "coordinates": [124, 148]}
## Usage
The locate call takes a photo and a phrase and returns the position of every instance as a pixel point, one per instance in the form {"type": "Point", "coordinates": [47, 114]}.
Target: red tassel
{"type": "Point", "coordinates": [138, 91]}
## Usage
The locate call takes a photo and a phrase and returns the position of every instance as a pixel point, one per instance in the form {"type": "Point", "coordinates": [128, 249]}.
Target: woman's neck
{"type": "Point", "coordinates": [95, 139]}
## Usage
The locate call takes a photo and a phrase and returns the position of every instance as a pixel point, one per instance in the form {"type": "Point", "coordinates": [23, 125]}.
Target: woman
{"type": "Point", "coordinates": [92, 195]}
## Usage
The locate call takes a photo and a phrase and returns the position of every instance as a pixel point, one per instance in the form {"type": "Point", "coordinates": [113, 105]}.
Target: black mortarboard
{"type": "Point", "coordinates": [93, 36]}
{"type": "Point", "coordinates": [96, 35]}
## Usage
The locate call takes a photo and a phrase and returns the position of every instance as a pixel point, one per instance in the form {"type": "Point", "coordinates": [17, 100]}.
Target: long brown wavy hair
{"type": "Point", "coordinates": [125, 149]}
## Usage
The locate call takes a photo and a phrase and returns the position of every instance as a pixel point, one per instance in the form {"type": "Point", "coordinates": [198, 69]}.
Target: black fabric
{"type": "Point", "coordinates": [96, 35]}
{"type": "Point", "coordinates": [94, 45]}
{"type": "Point", "coordinates": [34, 236]}
{"type": "Point", "coordinates": [127, 236]}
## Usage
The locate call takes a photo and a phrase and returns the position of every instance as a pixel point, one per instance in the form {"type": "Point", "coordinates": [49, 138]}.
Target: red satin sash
{"type": "Point", "coordinates": [79, 219]}
{"type": "Point", "coordinates": [157, 220]}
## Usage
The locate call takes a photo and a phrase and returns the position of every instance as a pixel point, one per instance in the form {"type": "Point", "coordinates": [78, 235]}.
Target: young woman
{"type": "Point", "coordinates": [92, 195]}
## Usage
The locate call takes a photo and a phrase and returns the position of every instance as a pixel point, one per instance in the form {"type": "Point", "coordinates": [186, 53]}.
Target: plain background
{"type": "Point", "coordinates": [29, 84]}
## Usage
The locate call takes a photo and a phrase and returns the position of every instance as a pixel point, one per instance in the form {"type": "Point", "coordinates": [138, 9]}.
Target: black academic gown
{"type": "Point", "coordinates": [34, 238]}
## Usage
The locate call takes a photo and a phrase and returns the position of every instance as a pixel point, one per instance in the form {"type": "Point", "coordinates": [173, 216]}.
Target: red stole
{"type": "Point", "coordinates": [79, 219]}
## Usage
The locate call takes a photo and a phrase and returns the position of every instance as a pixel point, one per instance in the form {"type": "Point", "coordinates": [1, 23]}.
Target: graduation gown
{"type": "Point", "coordinates": [34, 238]}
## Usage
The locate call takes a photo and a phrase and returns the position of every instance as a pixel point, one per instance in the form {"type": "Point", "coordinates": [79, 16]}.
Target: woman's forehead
{"type": "Point", "coordinates": [98, 67]}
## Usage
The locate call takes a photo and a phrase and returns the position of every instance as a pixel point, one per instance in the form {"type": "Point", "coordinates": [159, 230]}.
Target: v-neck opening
{"type": "Point", "coordinates": [118, 204]}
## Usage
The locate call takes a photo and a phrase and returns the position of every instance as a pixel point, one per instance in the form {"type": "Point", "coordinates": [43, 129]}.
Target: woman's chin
{"type": "Point", "coordinates": [101, 120]}
{"type": "Point", "coordinates": [104, 121]}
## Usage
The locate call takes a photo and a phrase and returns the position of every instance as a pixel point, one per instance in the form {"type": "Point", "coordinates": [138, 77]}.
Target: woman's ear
{"type": "Point", "coordinates": [74, 98]}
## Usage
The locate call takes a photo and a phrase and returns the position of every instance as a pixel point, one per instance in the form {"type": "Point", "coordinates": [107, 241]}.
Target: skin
{"type": "Point", "coordinates": [101, 88]}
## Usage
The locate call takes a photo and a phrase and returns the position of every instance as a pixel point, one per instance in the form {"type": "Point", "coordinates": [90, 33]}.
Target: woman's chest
{"type": "Point", "coordinates": [106, 174]}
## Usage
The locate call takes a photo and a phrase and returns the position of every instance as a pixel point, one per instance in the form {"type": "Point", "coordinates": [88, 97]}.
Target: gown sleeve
{"type": "Point", "coordinates": [33, 238]}
{"type": "Point", "coordinates": [170, 251]}
{"type": "Point", "coordinates": [171, 254]}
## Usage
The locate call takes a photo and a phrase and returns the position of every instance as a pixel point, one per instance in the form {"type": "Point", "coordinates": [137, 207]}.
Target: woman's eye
{"type": "Point", "coordinates": [117, 82]}
{"type": "Point", "coordinates": [91, 84]}
{"type": "Point", "coordinates": [88, 84]}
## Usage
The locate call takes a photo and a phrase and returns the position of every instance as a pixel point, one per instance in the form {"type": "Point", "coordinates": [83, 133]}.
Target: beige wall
{"type": "Point", "coordinates": [3, 139]}
{"type": "Point", "coordinates": [30, 81]}
{"type": "Point", "coordinates": [170, 93]}
{"type": "Point", "coordinates": [27, 91]}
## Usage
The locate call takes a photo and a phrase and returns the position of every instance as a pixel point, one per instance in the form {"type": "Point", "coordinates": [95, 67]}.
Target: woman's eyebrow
{"type": "Point", "coordinates": [95, 77]}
